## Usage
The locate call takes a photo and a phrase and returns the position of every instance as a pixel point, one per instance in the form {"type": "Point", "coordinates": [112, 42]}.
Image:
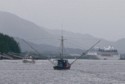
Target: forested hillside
{"type": "Point", "coordinates": [8, 44]}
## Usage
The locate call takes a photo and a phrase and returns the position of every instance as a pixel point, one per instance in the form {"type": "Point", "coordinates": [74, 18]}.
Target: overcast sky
{"type": "Point", "coordinates": [101, 18]}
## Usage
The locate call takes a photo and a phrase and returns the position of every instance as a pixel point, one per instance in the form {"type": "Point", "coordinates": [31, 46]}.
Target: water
{"type": "Point", "coordinates": [82, 72]}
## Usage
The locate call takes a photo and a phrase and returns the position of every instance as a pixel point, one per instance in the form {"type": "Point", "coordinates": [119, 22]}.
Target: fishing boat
{"type": "Point", "coordinates": [28, 59]}
{"type": "Point", "coordinates": [62, 63]}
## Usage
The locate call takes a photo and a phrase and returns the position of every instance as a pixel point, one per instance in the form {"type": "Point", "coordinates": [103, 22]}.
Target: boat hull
{"type": "Point", "coordinates": [28, 61]}
{"type": "Point", "coordinates": [61, 68]}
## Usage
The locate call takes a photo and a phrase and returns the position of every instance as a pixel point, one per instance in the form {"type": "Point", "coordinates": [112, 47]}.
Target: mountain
{"type": "Point", "coordinates": [120, 45]}
{"type": "Point", "coordinates": [17, 27]}
{"type": "Point", "coordinates": [77, 40]}
{"type": "Point", "coordinates": [27, 46]}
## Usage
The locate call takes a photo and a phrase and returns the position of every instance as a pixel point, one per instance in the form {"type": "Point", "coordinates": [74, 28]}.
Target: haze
{"type": "Point", "coordinates": [101, 18]}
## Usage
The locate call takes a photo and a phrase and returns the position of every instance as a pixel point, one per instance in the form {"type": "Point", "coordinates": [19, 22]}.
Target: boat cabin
{"type": "Point", "coordinates": [62, 65]}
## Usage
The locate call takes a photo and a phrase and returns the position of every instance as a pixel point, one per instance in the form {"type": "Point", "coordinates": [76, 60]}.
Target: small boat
{"type": "Point", "coordinates": [62, 64]}
{"type": "Point", "coordinates": [28, 60]}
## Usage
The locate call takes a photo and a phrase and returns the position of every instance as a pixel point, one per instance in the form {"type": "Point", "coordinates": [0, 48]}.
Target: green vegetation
{"type": "Point", "coordinates": [8, 44]}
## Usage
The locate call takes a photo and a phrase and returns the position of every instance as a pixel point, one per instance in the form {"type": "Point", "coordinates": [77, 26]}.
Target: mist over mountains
{"type": "Point", "coordinates": [48, 40]}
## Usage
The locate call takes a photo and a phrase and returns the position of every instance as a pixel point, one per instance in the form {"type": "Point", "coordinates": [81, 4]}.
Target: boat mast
{"type": "Point", "coordinates": [62, 45]}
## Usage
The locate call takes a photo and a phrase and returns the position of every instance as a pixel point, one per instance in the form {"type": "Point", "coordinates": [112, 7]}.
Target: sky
{"type": "Point", "coordinates": [100, 18]}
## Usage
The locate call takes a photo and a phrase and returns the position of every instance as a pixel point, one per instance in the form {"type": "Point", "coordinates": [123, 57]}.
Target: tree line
{"type": "Point", "coordinates": [8, 44]}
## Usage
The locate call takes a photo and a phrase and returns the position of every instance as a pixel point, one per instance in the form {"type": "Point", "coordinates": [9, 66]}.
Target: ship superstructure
{"type": "Point", "coordinates": [106, 53]}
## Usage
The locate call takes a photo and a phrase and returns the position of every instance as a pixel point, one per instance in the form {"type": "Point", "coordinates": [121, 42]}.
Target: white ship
{"type": "Point", "coordinates": [106, 53]}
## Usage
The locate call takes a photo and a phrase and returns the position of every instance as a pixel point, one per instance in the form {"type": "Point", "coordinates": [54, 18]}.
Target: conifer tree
{"type": "Point", "coordinates": [8, 44]}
